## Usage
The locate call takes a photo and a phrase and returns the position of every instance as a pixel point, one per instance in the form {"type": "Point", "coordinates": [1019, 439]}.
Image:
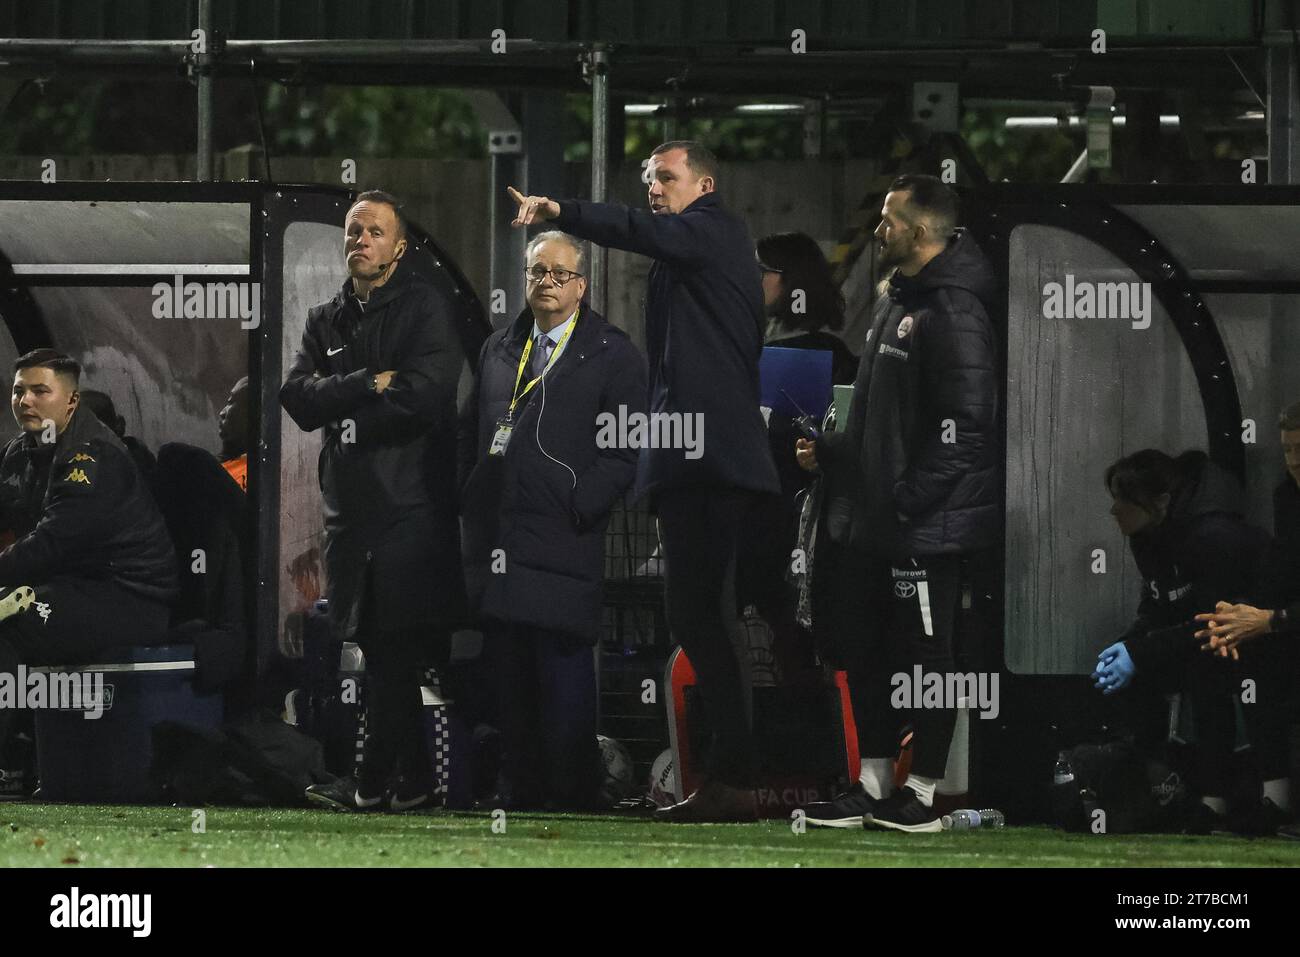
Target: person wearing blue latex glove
{"type": "Point", "coordinates": [1183, 519]}
{"type": "Point", "coordinates": [1115, 669]}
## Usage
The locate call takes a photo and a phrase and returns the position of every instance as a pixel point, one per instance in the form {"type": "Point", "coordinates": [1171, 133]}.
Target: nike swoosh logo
{"type": "Point", "coordinates": [334, 352]}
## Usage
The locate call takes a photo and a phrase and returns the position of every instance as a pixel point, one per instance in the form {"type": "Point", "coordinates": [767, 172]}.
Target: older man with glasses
{"type": "Point", "coordinates": [538, 483]}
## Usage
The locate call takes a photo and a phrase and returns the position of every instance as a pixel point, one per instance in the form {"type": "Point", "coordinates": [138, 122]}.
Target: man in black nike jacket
{"type": "Point", "coordinates": [378, 369]}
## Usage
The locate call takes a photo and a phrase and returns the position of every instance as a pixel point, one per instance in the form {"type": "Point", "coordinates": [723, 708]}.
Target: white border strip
{"type": "Point", "coordinates": [138, 666]}
{"type": "Point", "coordinates": [131, 269]}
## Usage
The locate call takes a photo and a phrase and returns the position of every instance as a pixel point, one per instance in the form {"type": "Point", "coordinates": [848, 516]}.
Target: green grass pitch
{"type": "Point", "coordinates": [74, 836]}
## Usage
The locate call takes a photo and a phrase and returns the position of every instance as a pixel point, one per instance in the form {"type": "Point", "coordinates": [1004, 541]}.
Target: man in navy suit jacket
{"type": "Point", "coordinates": [704, 334]}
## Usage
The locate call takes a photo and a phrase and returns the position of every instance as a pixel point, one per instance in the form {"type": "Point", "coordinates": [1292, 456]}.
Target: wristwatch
{"type": "Point", "coordinates": [373, 383]}
{"type": "Point", "coordinates": [1280, 621]}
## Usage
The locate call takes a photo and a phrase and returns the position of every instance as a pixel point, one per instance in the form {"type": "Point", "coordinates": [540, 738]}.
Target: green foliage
{"type": "Point", "coordinates": [1022, 156]}
{"type": "Point", "coordinates": [416, 122]}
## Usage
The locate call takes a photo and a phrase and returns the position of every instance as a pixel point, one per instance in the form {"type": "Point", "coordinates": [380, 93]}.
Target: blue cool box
{"type": "Point", "coordinates": [108, 759]}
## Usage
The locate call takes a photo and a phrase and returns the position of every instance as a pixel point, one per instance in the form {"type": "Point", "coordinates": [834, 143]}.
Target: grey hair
{"type": "Point", "coordinates": [554, 235]}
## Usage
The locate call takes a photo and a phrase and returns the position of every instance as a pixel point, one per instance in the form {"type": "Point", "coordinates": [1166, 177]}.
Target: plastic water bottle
{"type": "Point", "coordinates": [991, 819]}
{"type": "Point", "coordinates": [968, 819]}
{"type": "Point", "coordinates": [1064, 772]}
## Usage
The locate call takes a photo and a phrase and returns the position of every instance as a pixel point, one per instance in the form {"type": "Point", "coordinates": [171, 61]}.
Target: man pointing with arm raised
{"type": "Point", "coordinates": [704, 321]}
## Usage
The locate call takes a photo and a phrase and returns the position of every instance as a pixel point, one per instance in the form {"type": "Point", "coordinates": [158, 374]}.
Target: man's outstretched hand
{"type": "Point", "coordinates": [532, 209]}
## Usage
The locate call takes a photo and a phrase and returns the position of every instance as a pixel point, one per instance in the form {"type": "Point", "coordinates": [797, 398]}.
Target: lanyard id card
{"type": "Point", "coordinates": [501, 438]}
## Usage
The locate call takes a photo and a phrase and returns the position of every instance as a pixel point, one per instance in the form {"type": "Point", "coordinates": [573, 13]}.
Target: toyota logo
{"type": "Point", "coordinates": [904, 589]}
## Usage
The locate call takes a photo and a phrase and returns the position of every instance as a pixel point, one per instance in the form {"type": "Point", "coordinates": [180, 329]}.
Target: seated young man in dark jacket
{"type": "Point", "coordinates": [91, 565]}
{"type": "Point", "coordinates": [536, 500]}
{"type": "Point", "coordinates": [1183, 521]}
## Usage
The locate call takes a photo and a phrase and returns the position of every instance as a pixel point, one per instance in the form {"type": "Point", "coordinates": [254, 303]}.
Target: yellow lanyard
{"type": "Point", "coordinates": [523, 362]}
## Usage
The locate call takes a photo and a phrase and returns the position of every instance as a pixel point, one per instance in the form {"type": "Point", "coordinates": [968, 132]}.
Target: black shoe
{"type": "Point", "coordinates": [1265, 819]}
{"type": "Point", "coordinates": [343, 795]}
{"type": "Point", "coordinates": [846, 810]}
{"type": "Point", "coordinates": [406, 797]}
{"type": "Point", "coordinates": [1291, 832]}
{"type": "Point", "coordinates": [903, 811]}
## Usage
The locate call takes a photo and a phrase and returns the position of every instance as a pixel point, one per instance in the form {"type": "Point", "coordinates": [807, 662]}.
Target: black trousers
{"type": "Point", "coordinates": [71, 619]}
{"type": "Point", "coordinates": [877, 618]}
{"type": "Point", "coordinates": [1273, 662]}
{"type": "Point", "coordinates": [396, 742]}
{"type": "Point", "coordinates": [1211, 687]}
{"type": "Point", "coordinates": [546, 710]}
{"type": "Point", "coordinates": [700, 527]}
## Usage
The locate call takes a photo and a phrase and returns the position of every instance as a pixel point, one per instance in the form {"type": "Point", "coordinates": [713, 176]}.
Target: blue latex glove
{"type": "Point", "coordinates": [1115, 669]}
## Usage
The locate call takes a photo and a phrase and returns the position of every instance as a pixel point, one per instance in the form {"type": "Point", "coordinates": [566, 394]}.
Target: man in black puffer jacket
{"type": "Point", "coordinates": [914, 491]}
{"type": "Point", "coordinates": [91, 565]}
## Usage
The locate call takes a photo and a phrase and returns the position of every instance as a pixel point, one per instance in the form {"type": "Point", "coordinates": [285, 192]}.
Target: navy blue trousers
{"type": "Point", "coordinates": [546, 708]}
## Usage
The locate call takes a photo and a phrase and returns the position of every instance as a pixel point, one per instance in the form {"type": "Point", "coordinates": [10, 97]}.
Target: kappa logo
{"type": "Point", "coordinates": [904, 327]}
{"type": "Point", "coordinates": [77, 475]}
{"type": "Point", "coordinates": [83, 457]}
{"type": "Point", "coordinates": [904, 589]}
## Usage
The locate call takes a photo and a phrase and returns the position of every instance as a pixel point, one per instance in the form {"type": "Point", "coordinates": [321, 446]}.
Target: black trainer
{"type": "Point", "coordinates": [903, 811]}
{"type": "Point", "coordinates": [845, 810]}
{"type": "Point", "coordinates": [343, 795]}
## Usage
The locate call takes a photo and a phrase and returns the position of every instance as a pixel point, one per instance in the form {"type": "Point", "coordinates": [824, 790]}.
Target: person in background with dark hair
{"type": "Point", "coordinates": [704, 332]}
{"type": "Point", "coordinates": [805, 307]}
{"type": "Point", "coordinates": [101, 404]}
{"type": "Point", "coordinates": [232, 427]}
{"type": "Point", "coordinates": [378, 370]}
{"type": "Point", "coordinates": [803, 303]}
{"type": "Point", "coordinates": [92, 565]}
{"type": "Point", "coordinates": [1184, 524]}
{"type": "Point", "coordinates": [914, 491]}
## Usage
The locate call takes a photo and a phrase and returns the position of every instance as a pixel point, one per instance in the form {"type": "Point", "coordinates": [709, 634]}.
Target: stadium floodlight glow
{"type": "Point", "coordinates": [640, 109]}
{"type": "Point", "coordinates": [771, 108]}
{"type": "Point", "coordinates": [1050, 122]}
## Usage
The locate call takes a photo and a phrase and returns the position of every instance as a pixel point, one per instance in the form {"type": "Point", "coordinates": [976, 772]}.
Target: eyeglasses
{"type": "Point", "coordinates": [766, 268]}
{"type": "Point", "coordinates": [560, 276]}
